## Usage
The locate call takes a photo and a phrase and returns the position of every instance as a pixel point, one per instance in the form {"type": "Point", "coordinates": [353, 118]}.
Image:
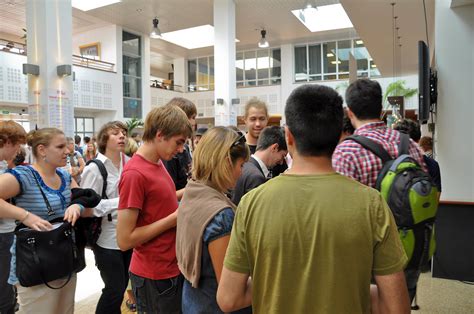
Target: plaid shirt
{"type": "Point", "coordinates": [352, 160]}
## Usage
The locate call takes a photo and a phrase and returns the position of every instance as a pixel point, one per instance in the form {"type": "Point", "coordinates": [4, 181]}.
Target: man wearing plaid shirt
{"type": "Point", "coordinates": [364, 102]}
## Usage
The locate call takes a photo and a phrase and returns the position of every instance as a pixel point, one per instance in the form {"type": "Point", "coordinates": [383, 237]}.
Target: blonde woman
{"type": "Point", "coordinates": [90, 152]}
{"type": "Point", "coordinates": [25, 184]}
{"type": "Point", "coordinates": [205, 216]}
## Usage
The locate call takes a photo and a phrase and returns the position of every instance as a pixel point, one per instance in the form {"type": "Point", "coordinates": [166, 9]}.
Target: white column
{"type": "Point", "coordinates": [287, 73]}
{"type": "Point", "coordinates": [146, 92]}
{"type": "Point", "coordinates": [179, 74]}
{"type": "Point", "coordinates": [224, 62]}
{"type": "Point", "coordinates": [49, 43]}
{"type": "Point", "coordinates": [454, 38]}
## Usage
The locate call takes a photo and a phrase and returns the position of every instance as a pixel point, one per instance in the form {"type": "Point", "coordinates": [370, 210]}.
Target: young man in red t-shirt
{"type": "Point", "coordinates": [147, 212]}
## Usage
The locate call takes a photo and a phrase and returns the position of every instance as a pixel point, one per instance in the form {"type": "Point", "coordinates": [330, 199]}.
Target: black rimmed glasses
{"type": "Point", "coordinates": [241, 139]}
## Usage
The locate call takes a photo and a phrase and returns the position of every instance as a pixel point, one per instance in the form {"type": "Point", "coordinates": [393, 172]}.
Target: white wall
{"type": "Point", "coordinates": [454, 37]}
{"type": "Point", "coordinates": [107, 38]}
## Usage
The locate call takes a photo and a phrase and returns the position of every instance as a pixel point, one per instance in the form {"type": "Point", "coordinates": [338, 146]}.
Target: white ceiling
{"type": "Point", "coordinates": [371, 18]}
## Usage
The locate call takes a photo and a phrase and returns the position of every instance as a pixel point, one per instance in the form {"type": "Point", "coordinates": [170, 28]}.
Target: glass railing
{"type": "Point", "coordinates": [167, 84]}
{"type": "Point", "coordinates": [12, 47]}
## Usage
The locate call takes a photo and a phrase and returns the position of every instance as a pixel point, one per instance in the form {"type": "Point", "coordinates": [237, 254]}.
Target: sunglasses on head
{"type": "Point", "coordinates": [241, 139]}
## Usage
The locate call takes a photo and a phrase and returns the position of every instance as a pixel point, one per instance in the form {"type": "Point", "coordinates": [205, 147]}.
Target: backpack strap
{"type": "Point", "coordinates": [404, 144]}
{"type": "Point", "coordinates": [104, 174]}
{"type": "Point", "coordinates": [371, 145]}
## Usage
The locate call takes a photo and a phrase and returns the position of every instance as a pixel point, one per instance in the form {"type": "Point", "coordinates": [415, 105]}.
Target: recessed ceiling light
{"type": "Point", "coordinates": [330, 55]}
{"type": "Point", "coordinates": [359, 42]}
{"type": "Point", "coordinates": [324, 18]}
{"type": "Point", "coordinates": [373, 66]}
{"type": "Point", "coordinates": [192, 38]}
{"type": "Point", "coordinates": [336, 62]}
{"type": "Point", "coordinates": [86, 5]}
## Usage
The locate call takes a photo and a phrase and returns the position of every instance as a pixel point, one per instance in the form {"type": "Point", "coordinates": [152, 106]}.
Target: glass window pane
{"type": "Point", "coordinates": [211, 72]}
{"type": "Point", "coordinates": [361, 55]}
{"type": "Point", "coordinates": [314, 59]}
{"type": "Point", "coordinates": [263, 82]}
{"type": "Point", "coordinates": [132, 108]}
{"type": "Point", "coordinates": [315, 77]}
{"type": "Point", "coordinates": [329, 77]}
{"type": "Point", "coordinates": [343, 50]}
{"type": "Point", "coordinates": [192, 73]}
{"type": "Point", "coordinates": [239, 66]}
{"type": "Point", "coordinates": [131, 66]}
{"type": "Point", "coordinates": [300, 64]}
{"type": "Point", "coordinates": [374, 71]}
{"type": "Point", "coordinates": [89, 124]}
{"type": "Point", "coordinates": [329, 57]}
{"type": "Point", "coordinates": [79, 124]}
{"type": "Point", "coordinates": [203, 72]}
{"type": "Point", "coordinates": [275, 63]}
{"type": "Point", "coordinates": [131, 44]}
{"type": "Point", "coordinates": [263, 63]}
{"type": "Point", "coordinates": [240, 84]}
{"type": "Point", "coordinates": [250, 65]}
{"type": "Point", "coordinates": [250, 83]}
{"type": "Point", "coordinates": [132, 87]}
{"type": "Point", "coordinates": [275, 81]}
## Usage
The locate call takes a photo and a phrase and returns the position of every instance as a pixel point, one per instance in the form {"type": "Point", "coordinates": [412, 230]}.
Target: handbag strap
{"type": "Point", "coordinates": [48, 206]}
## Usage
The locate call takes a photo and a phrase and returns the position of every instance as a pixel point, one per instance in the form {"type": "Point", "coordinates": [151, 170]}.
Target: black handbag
{"type": "Point", "coordinates": [44, 256]}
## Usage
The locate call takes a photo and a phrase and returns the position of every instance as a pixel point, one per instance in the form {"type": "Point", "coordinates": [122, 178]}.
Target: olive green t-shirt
{"type": "Point", "coordinates": [311, 243]}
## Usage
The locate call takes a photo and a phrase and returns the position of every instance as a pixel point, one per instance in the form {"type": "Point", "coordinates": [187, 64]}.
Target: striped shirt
{"type": "Point", "coordinates": [31, 199]}
{"type": "Point", "coordinates": [352, 160]}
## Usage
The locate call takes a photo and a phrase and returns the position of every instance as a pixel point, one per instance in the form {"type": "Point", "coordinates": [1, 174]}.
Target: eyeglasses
{"type": "Point", "coordinates": [241, 139]}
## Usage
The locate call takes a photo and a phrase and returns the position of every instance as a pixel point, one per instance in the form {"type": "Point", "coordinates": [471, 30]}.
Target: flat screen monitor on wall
{"type": "Point", "coordinates": [424, 99]}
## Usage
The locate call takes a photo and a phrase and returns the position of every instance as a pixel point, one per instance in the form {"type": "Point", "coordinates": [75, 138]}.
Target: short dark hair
{"type": "Point", "coordinates": [364, 98]}
{"type": "Point", "coordinates": [87, 139]}
{"type": "Point", "coordinates": [314, 117]}
{"type": "Point", "coordinates": [77, 139]}
{"type": "Point", "coordinates": [186, 105]}
{"type": "Point", "coordinates": [347, 126]}
{"type": "Point", "coordinates": [271, 135]}
{"type": "Point", "coordinates": [409, 127]}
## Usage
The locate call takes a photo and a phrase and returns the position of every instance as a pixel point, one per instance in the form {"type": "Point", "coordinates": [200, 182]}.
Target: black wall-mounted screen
{"type": "Point", "coordinates": [424, 100]}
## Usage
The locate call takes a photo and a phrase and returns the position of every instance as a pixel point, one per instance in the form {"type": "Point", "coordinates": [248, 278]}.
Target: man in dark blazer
{"type": "Point", "coordinates": [271, 150]}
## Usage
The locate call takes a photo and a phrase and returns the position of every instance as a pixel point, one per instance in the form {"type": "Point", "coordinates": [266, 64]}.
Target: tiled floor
{"type": "Point", "coordinates": [434, 295]}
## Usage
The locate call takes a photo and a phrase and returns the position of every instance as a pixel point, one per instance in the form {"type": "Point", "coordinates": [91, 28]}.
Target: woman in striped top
{"type": "Point", "coordinates": [24, 184]}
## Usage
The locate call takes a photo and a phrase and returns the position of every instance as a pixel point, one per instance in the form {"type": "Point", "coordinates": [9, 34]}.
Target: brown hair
{"type": "Point", "coordinates": [426, 143]}
{"type": "Point", "coordinates": [185, 104]}
{"type": "Point", "coordinates": [41, 137]}
{"type": "Point", "coordinates": [103, 135]}
{"type": "Point", "coordinates": [257, 104]}
{"type": "Point", "coordinates": [170, 120]}
{"type": "Point", "coordinates": [11, 131]}
{"type": "Point", "coordinates": [217, 147]}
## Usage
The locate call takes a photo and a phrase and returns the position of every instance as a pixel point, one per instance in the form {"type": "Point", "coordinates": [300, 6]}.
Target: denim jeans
{"type": "Point", "coordinates": [411, 276]}
{"type": "Point", "coordinates": [113, 266]}
{"type": "Point", "coordinates": [157, 296]}
{"type": "Point", "coordinates": [7, 292]}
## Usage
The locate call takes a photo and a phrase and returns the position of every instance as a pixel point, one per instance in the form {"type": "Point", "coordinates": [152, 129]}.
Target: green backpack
{"type": "Point", "coordinates": [411, 195]}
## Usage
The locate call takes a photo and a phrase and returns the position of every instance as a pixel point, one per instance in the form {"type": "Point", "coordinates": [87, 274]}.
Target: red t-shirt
{"type": "Point", "coordinates": [148, 187]}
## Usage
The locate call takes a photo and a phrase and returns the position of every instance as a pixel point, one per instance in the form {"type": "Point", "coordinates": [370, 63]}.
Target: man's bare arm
{"type": "Point", "coordinates": [234, 291]}
{"type": "Point", "coordinates": [393, 293]}
{"type": "Point", "coordinates": [129, 236]}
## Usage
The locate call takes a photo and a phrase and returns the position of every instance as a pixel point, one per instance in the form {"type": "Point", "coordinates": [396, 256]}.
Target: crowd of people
{"type": "Point", "coordinates": [196, 220]}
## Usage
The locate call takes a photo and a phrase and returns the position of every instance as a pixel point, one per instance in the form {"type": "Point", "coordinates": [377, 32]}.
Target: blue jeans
{"type": "Point", "coordinates": [157, 296]}
{"type": "Point", "coordinates": [7, 292]}
{"type": "Point", "coordinates": [113, 266]}
{"type": "Point", "coordinates": [411, 276]}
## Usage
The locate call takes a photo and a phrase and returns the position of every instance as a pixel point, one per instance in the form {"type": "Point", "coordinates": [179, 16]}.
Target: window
{"type": "Point", "coordinates": [84, 127]}
{"type": "Point", "coordinates": [252, 68]}
{"type": "Point", "coordinates": [132, 75]}
{"type": "Point", "coordinates": [330, 61]}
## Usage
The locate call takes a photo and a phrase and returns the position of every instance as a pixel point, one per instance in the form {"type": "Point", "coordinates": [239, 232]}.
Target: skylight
{"type": "Point", "coordinates": [86, 5]}
{"type": "Point", "coordinates": [323, 18]}
{"type": "Point", "coordinates": [192, 38]}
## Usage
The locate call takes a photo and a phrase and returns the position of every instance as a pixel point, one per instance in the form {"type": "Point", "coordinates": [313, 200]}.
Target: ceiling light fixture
{"type": "Point", "coordinates": [263, 43]}
{"type": "Point", "coordinates": [155, 32]}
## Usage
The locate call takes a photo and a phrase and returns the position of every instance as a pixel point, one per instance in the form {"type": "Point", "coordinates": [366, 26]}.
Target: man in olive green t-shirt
{"type": "Point", "coordinates": [311, 239]}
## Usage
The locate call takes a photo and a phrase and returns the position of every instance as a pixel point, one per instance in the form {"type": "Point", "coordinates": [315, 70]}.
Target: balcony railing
{"type": "Point", "coordinates": [166, 84]}
{"type": "Point", "coordinates": [93, 64]}
{"type": "Point", "coordinates": [20, 49]}
{"type": "Point", "coordinates": [12, 47]}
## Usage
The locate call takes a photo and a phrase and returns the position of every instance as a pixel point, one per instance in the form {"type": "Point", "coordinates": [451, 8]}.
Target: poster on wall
{"type": "Point", "coordinates": [61, 111]}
